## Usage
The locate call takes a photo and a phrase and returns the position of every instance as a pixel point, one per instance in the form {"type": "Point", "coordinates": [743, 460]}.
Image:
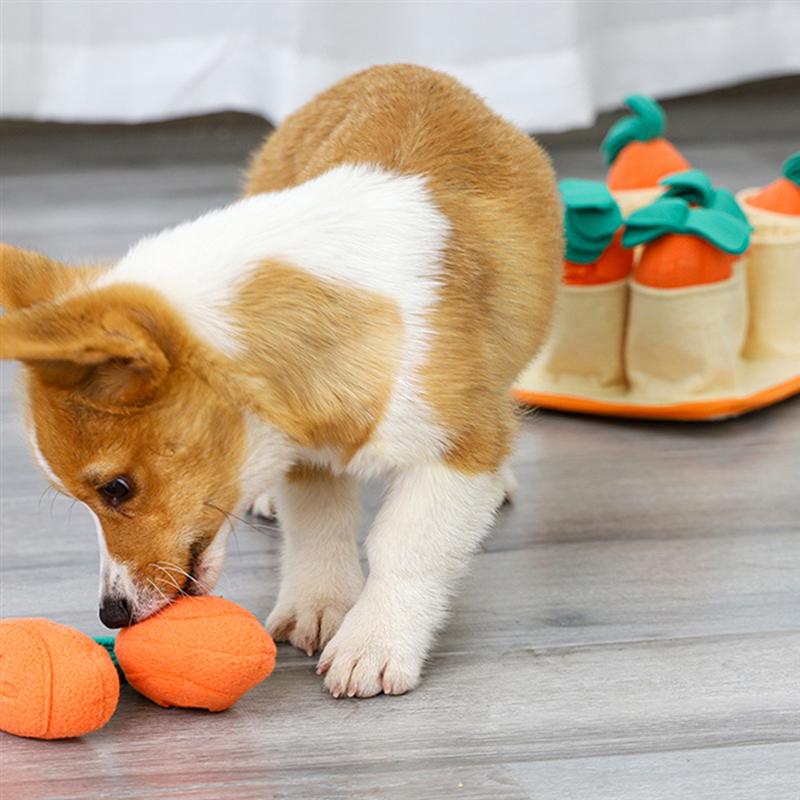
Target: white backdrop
{"type": "Point", "coordinates": [545, 65]}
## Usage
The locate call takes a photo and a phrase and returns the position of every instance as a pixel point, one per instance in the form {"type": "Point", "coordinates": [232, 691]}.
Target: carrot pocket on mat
{"type": "Point", "coordinates": [688, 311]}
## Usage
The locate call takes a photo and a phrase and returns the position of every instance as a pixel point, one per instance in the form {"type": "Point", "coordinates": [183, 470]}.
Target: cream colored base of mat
{"type": "Point", "coordinates": [761, 383]}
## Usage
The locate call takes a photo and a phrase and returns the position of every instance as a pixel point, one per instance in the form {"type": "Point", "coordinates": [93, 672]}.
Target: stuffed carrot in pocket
{"type": "Point", "coordinates": [636, 151]}
{"type": "Point", "coordinates": [586, 342]}
{"type": "Point", "coordinates": [688, 308]}
{"type": "Point", "coordinates": [773, 269]}
{"type": "Point", "coordinates": [593, 234]}
{"type": "Point", "coordinates": [685, 246]}
{"type": "Point", "coordinates": [782, 196]}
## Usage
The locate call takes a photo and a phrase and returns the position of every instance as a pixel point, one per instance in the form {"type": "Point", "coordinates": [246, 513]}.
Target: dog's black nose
{"type": "Point", "coordinates": [115, 612]}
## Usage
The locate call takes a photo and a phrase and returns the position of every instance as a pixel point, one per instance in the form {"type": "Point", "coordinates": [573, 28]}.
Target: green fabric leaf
{"type": "Point", "coordinates": [580, 193]}
{"type": "Point", "coordinates": [725, 201]}
{"type": "Point", "coordinates": [666, 215]}
{"type": "Point", "coordinates": [670, 215]}
{"type": "Point", "coordinates": [722, 230]}
{"type": "Point", "coordinates": [591, 218]}
{"type": "Point", "coordinates": [791, 168]}
{"type": "Point", "coordinates": [696, 188]}
{"type": "Point", "coordinates": [693, 185]}
{"type": "Point", "coordinates": [648, 122]}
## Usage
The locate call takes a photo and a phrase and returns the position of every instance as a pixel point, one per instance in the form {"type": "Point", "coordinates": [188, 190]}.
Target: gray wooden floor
{"type": "Point", "coordinates": [631, 631]}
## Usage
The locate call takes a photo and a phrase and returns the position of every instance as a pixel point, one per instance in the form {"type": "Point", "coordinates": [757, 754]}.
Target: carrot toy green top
{"type": "Point", "coordinates": [696, 188]}
{"type": "Point", "coordinates": [685, 246]}
{"type": "Point", "coordinates": [593, 231]}
{"type": "Point", "coordinates": [635, 150]}
{"type": "Point", "coordinates": [782, 195]}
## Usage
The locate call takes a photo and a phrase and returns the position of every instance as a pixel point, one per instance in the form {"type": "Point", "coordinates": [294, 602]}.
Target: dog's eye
{"type": "Point", "coordinates": [117, 491]}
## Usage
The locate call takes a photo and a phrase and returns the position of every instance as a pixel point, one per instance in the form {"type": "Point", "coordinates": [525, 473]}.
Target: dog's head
{"type": "Point", "coordinates": [119, 420]}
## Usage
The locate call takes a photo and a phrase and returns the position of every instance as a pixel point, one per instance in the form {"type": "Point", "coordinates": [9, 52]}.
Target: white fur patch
{"type": "Point", "coordinates": [269, 456]}
{"type": "Point", "coordinates": [356, 225]}
{"type": "Point", "coordinates": [209, 565]}
{"type": "Point", "coordinates": [114, 575]}
{"type": "Point", "coordinates": [41, 460]}
{"type": "Point", "coordinates": [116, 580]}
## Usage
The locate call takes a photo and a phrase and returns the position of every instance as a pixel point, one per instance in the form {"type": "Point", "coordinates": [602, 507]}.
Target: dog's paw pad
{"type": "Point", "coordinates": [263, 506]}
{"type": "Point", "coordinates": [309, 627]}
{"type": "Point", "coordinates": [363, 666]}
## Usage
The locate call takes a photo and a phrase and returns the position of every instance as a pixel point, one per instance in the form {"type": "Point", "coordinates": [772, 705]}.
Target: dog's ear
{"type": "Point", "coordinates": [28, 278]}
{"type": "Point", "coordinates": [101, 352]}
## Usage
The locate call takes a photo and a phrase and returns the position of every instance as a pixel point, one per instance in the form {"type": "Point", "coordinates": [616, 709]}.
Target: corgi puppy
{"type": "Point", "coordinates": [362, 311]}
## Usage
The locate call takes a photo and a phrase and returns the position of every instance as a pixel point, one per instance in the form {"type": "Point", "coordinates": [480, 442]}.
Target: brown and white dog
{"type": "Point", "coordinates": [361, 312]}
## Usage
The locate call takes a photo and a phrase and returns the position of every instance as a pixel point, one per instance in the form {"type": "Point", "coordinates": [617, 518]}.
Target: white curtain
{"type": "Point", "coordinates": [546, 65]}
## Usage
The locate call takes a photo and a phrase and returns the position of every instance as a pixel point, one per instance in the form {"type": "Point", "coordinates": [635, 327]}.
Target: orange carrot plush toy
{"type": "Point", "coordinates": [593, 233]}
{"type": "Point", "coordinates": [685, 246]}
{"type": "Point", "coordinates": [587, 333]}
{"type": "Point", "coordinates": [55, 682]}
{"type": "Point", "coordinates": [635, 150]}
{"type": "Point", "coordinates": [687, 315]}
{"type": "Point", "coordinates": [693, 234]}
{"type": "Point", "coordinates": [773, 267]}
{"type": "Point", "coordinates": [199, 652]}
{"type": "Point", "coordinates": [782, 196]}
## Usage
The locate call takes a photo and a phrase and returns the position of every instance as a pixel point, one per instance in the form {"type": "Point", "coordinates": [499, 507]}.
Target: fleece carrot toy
{"type": "Point", "coordinates": [773, 265]}
{"type": "Point", "coordinates": [593, 234]}
{"type": "Point", "coordinates": [199, 652]}
{"type": "Point", "coordinates": [637, 154]}
{"type": "Point", "coordinates": [782, 196]}
{"type": "Point", "coordinates": [695, 187]}
{"type": "Point", "coordinates": [685, 246]}
{"type": "Point", "coordinates": [587, 333]}
{"type": "Point", "coordinates": [55, 682]}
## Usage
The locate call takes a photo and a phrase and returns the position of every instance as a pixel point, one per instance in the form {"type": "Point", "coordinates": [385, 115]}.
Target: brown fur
{"type": "Point", "coordinates": [27, 278]}
{"type": "Point", "coordinates": [327, 355]}
{"type": "Point", "coordinates": [183, 453]}
{"type": "Point", "coordinates": [113, 388]}
{"type": "Point", "coordinates": [497, 188]}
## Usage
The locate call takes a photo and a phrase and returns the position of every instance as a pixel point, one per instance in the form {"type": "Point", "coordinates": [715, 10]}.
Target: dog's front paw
{"type": "Point", "coordinates": [368, 656]}
{"type": "Point", "coordinates": [263, 506]}
{"type": "Point", "coordinates": [308, 624]}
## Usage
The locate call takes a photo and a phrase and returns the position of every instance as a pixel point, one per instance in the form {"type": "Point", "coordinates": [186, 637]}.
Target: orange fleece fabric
{"type": "Point", "coordinates": [614, 265]}
{"type": "Point", "coordinates": [199, 652]}
{"type": "Point", "coordinates": [678, 260]}
{"type": "Point", "coordinates": [641, 165]}
{"type": "Point", "coordinates": [781, 196]}
{"type": "Point", "coordinates": [55, 682]}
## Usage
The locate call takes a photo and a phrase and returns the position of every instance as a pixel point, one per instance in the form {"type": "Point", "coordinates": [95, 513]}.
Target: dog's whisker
{"type": "Point", "coordinates": [169, 575]}
{"type": "Point", "coordinates": [46, 489]}
{"type": "Point", "coordinates": [53, 501]}
{"type": "Point", "coordinates": [236, 542]}
{"type": "Point", "coordinates": [171, 584]}
{"type": "Point", "coordinates": [54, 495]}
{"type": "Point", "coordinates": [178, 569]}
{"type": "Point", "coordinates": [158, 589]}
{"type": "Point", "coordinates": [230, 514]}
